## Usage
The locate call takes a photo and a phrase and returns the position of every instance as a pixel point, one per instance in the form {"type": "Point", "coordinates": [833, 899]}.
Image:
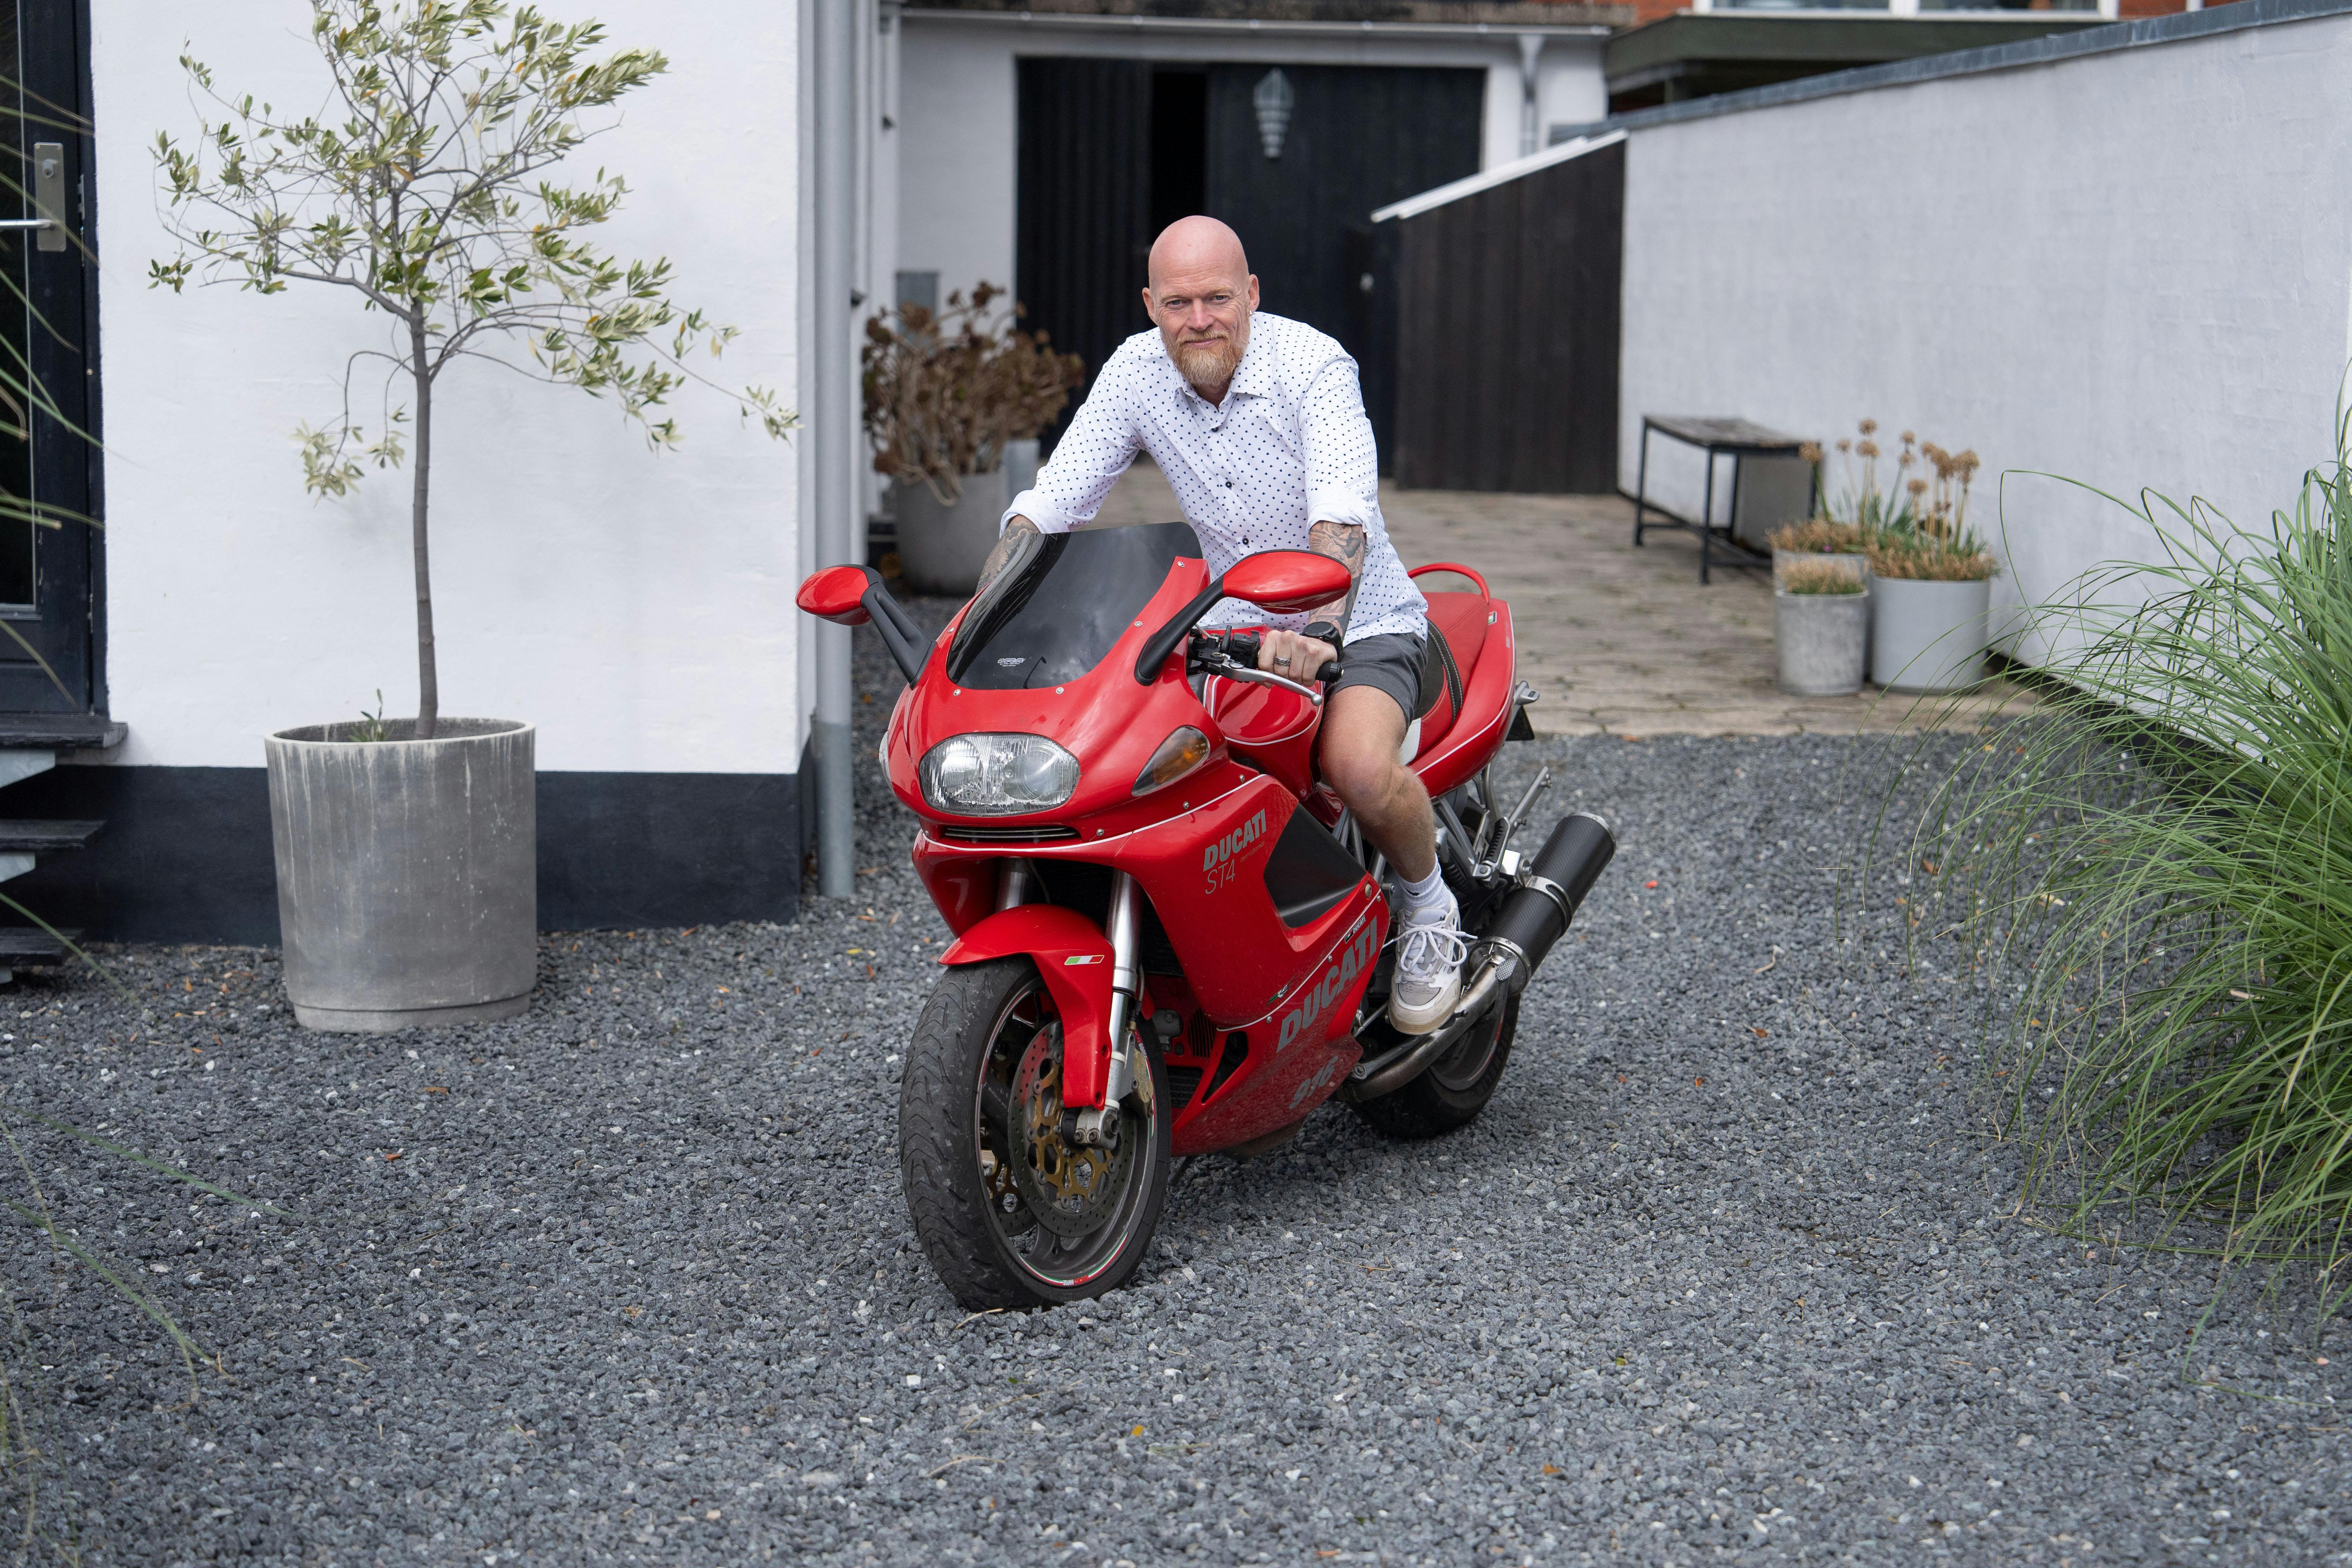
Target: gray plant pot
{"type": "Point", "coordinates": [942, 548]}
{"type": "Point", "coordinates": [1855, 562]}
{"type": "Point", "coordinates": [407, 872]}
{"type": "Point", "coordinates": [1820, 640]}
{"type": "Point", "coordinates": [1927, 637]}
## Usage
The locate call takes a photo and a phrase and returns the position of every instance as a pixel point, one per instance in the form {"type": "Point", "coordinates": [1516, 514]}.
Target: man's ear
{"type": "Point", "coordinates": [1150, 308]}
{"type": "Point", "coordinates": [1253, 293]}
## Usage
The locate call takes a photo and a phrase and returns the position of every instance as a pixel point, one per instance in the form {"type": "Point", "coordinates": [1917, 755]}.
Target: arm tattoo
{"type": "Point", "coordinates": [1003, 551]}
{"type": "Point", "coordinates": [1343, 543]}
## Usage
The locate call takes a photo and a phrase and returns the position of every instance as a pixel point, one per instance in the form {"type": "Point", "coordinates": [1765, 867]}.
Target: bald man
{"type": "Point", "coordinates": [1259, 426]}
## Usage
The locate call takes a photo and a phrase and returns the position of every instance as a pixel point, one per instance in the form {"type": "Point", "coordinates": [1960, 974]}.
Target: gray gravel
{"type": "Point", "coordinates": [1727, 1272]}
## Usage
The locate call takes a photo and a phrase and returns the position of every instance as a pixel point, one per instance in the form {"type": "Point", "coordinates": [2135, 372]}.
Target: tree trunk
{"type": "Point", "coordinates": [428, 678]}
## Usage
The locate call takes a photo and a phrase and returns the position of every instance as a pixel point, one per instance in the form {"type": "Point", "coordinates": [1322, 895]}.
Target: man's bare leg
{"type": "Point", "coordinates": [1362, 730]}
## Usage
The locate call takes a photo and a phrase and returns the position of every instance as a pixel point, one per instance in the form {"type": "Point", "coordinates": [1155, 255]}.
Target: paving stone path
{"type": "Point", "coordinates": [1618, 641]}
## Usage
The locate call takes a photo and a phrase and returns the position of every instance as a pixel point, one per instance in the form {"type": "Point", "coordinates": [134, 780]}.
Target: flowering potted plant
{"type": "Point", "coordinates": [1931, 581]}
{"type": "Point", "coordinates": [951, 397]}
{"type": "Point", "coordinates": [1821, 625]}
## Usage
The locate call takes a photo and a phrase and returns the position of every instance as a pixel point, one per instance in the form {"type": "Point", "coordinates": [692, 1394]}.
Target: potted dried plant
{"type": "Point", "coordinates": [1931, 583]}
{"type": "Point", "coordinates": [951, 396]}
{"type": "Point", "coordinates": [1818, 539]}
{"type": "Point", "coordinates": [1821, 625]}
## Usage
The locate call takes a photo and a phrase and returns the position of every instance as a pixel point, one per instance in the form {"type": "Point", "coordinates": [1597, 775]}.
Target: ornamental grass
{"type": "Point", "coordinates": [2153, 875]}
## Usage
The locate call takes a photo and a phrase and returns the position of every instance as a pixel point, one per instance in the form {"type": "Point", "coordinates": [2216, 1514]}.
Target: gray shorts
{"type": "Point", "coordinates": [1391, 662]}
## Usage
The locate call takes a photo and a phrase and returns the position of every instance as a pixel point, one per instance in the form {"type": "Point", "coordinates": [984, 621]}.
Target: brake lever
{"type": "Point", "coordinates": [1219, 664]}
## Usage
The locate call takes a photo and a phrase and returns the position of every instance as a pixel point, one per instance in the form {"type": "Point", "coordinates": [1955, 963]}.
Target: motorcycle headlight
{"type": "Point", "coordinates": [997, 775]}
{"type": "Point", "coordinates": [1179, 754]}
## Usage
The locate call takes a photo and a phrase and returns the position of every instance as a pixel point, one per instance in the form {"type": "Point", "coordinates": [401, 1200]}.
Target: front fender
{"type": "Point", "coordinates": [1073, 955]}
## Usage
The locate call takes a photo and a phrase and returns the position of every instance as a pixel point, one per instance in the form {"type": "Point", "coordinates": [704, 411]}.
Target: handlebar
{"type": "Point", "coordinates": [1243, 647]}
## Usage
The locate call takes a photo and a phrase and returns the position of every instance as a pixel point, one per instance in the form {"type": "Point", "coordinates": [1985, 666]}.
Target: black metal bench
{"type": "Point", "coordinates": [1735, 438]}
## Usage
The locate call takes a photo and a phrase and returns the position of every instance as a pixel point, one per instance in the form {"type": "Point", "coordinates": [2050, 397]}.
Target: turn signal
{"type": "Point", "coordinates": [1179, 754]}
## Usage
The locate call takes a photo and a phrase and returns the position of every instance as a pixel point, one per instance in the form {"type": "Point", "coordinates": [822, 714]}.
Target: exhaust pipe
{"type": "Point", "coordinates": [1551, 886]}
{"type": "Point", "coordinates": [1532, 919]}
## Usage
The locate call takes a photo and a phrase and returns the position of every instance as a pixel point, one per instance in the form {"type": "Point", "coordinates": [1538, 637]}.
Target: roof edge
{"type": "Point", "coordinates": [2178, 27]}
{"type": "Point", "coordinates": [1500, 174]}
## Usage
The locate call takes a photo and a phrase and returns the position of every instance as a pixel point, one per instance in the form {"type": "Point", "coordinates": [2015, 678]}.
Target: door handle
{"type": "Point", "coordinates": [49, 196]}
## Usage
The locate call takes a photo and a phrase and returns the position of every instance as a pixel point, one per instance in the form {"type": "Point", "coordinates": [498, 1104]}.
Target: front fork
{"type": "Point", "coordinates": [1099, 1126]}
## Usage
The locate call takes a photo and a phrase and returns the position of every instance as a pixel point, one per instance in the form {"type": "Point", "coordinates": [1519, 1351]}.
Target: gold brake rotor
{"type": "Point", "coordinates": [1072, 1188]}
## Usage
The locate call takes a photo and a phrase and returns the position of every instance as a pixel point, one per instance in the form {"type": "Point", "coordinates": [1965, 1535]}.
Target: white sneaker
{"type": "Point", "coordinates": [1430, 954]}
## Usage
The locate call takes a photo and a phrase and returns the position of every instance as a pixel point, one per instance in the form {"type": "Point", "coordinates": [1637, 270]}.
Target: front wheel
{"type": "Point", "coordinates": [1009, 1213]}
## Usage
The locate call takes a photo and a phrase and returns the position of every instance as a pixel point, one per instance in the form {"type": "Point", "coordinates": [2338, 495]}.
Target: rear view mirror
{"type": "Point", "coordinates": [853, 595]}
{"type": "Point", "coordinates": [836, 595]}
{"type": "Point", "coordinates": [1286, 582]}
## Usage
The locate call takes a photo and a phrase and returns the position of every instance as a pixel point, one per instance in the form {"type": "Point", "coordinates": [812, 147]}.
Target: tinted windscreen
{"type": "Point", "coordinates": [1054, 613]}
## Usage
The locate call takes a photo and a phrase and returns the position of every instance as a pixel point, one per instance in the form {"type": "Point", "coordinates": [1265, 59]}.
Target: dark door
{"type": "Point", "coordinates": [47, 399]}
{"type": "Point", "coordinates": [1357, 138]}
{"type": "Point", "coordinates": [1508, 332]}
{"type": "Point", "coordinates": [1083, 199]}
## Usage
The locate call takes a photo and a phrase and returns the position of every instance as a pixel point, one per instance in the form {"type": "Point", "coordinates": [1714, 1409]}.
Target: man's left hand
{"type": "Point", "coordinates": [1293, 654]}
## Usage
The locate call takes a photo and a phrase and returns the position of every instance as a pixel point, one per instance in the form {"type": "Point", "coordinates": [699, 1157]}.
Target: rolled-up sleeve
{"type": "Point", "coordinates": [1343, 468]}
{"type": "Point", "coordinates": [1096, 448]}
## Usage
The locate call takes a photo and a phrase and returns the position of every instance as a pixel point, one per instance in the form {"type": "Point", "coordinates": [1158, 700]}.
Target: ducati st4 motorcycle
{"type": "Point", "coordinates": [1170, 938]}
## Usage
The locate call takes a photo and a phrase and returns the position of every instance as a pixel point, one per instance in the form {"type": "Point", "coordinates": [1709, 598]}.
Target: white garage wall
{"type": "Point", "coordinates": [636, 606]}
{"type": "Point", "coordinates": [957, 136]}
{"type": "Point", "coordinates": [2129, 268]}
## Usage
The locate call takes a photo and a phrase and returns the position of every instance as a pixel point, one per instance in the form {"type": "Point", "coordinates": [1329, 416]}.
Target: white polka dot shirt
{"type": "Point", "coordinates": [1289, 447]}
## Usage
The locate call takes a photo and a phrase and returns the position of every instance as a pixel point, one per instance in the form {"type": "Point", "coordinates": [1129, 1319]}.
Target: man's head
{"type": "Point", "coordinates": [1201, 296]}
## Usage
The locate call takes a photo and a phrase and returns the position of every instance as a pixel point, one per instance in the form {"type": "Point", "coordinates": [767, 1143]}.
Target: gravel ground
{"type": "Point", "coordinates": [1728, 1271]}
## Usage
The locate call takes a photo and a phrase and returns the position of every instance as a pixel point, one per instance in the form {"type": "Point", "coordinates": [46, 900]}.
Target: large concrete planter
{"type": "Point", "coordinates": [942, 548]}
{"type": "Point", "coordinates": [1819, 641]}
{"type": "Point", "coordinates": [1927, 637]}
{"type": "Point", "coordinates": [407, 872]}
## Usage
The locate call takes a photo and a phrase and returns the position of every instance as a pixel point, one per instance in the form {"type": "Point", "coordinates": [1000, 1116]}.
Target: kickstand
{"type": "Point", "coordinates": [1184, 1168]}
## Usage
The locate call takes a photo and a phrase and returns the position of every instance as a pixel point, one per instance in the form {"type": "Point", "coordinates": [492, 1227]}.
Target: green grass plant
{"type": "Point", "coordinates": [2152, 877]}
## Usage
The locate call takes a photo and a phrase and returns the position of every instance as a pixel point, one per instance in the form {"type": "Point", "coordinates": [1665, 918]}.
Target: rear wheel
{"type": "Point", "coordinates": [1452, 1089]}
{"type": "Point", "coordinates": [1009, 1213]}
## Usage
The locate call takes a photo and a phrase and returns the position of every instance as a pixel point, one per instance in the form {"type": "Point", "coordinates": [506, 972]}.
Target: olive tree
{"type": "Point", "coordinates": [425, 186]}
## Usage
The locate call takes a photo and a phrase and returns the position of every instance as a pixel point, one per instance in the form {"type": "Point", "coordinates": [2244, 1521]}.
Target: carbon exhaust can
{"type": "Point", "coordinates": [1536, 913]}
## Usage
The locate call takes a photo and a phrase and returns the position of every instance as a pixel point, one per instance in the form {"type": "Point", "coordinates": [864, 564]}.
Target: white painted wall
{"type": "Point", "coordinates": [2130, 269]}
{"type": "Point", "coordinates": [636, 606]}
{"type": "Point", "coordinates": [957, 134]}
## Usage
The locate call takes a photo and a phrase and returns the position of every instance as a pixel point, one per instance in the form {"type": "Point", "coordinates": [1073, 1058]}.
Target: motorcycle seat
{"type": "Point", "coordinates": [1457, 634]}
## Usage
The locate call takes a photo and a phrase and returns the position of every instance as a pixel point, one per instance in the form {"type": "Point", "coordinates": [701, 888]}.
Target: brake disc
{"type": "Point", "coordinates": [1071, 1188]}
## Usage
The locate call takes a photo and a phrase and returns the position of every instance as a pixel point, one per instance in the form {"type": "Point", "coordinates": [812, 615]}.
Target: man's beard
{"type": "Point", "coordinates": [1209, 366]}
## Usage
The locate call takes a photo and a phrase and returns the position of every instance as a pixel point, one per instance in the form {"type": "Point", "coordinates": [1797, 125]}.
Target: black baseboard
{"type": "Point", "coordinates": [185, 854]}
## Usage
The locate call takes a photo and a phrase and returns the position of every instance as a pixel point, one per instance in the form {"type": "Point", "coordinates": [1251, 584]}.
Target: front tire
{"type": "Point", "coordinates": [1452, 1089]}
{"type": "Point", "coordinates": [985, 1058]}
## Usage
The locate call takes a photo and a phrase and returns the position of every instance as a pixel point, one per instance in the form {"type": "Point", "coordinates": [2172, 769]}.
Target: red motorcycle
{"type": "Point", "coordinates": [1170, 938]}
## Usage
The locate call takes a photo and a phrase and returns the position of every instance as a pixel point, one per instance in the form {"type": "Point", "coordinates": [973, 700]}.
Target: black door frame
{"type": "Point", "coordinates": [68, 468]}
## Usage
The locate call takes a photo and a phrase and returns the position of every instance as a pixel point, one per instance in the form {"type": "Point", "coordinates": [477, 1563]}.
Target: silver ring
{"type": "Point", "coordinates": [1281, 663]}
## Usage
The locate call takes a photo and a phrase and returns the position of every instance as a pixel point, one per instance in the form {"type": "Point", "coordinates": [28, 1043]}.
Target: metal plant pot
{"type": "Point", "coordinates": [407, 872]}
{"type": "Point", "coordinates": [942, 548]}
{"type": "Point", "coordinates": [1819, 641]}
{"type": "Point", "coordinates": [1927, 637]}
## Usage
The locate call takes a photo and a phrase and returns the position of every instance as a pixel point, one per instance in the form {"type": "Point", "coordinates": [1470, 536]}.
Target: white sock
{"type": "Point", "coordinates": [1427, 897]}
